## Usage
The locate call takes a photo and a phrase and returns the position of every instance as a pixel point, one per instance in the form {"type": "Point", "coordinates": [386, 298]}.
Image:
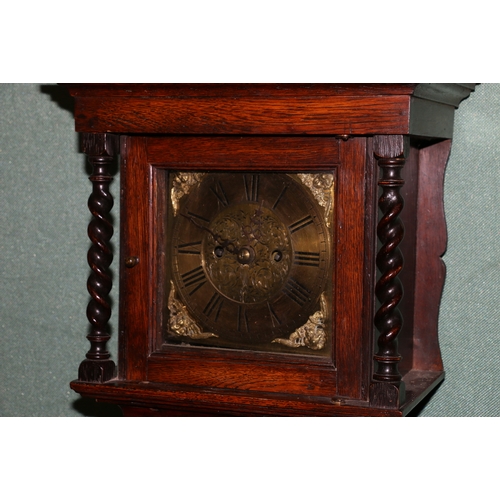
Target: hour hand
{"type": "Point", "coordinates": [226, 244]}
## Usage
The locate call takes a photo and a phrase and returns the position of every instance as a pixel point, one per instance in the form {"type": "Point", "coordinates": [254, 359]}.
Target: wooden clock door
{"type": "Point", "coordinates": [342, 369]}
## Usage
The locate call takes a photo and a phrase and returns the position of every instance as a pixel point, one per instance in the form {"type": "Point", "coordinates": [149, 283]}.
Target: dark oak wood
{"type": "Point", "coordinates": [247, 152]}
{"type": "Point", "coordinates": [150, 399]}
{"type": "Point", "coordinates": [137, 282]}
{"type": "Point", "coordinates": [407, 248]}
{"type": "Point", "coordinates": [384, 145]}
{"type": "Point", "coordinates": [429, 248]}
{"type": "Point", "coordinates": [390, 152]}
{"type": "Point", "coordinates": [259, 115]}
{"type": "Point", "coordinates": [100, 149]}
{"type": "Point", "coordinates": [350, 240]}
{"type": "Point", "coordinates": [259, 109]}
{"type": "Point", "coordinates": [212, 367]}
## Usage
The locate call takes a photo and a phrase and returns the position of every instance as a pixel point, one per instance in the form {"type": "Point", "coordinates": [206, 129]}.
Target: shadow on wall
{"type": "Point", "coordinates": [421, 406]}
{"type": "Point", "coordinates": [90, 408]}
{"type": "Point", "coordinates": [60, 96]}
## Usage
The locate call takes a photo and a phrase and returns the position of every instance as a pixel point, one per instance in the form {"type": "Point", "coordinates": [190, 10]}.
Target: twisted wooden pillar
{"type": "Point", "coordinates": [100, 150]}
{"type": "Point", "coordinates": [388, 389]}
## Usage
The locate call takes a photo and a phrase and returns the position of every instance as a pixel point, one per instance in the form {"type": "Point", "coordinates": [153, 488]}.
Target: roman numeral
{"type": "Point", "coordinates": [300, 224]}
{"type": "Point", "coordinates": [297, 292]}
{"type": "Point", "coordinates": [279, 197]}
{"type": "Point", "coordinates": [251, 187]}
{"type": "Point", "coordinates": [219, 192]}
{"type": "Point", "coordinates": [306, 259]}
{"type": "Point", "coordinates": [214, 305]}
{"type": "Point", "coordinates": [242, 320]}
{"type": "Point", "coordinates": [274, 319]}
{"type": "Point", "coordinates": [195, 277]}
{"type": "Point", "coordinates": [192, 248]}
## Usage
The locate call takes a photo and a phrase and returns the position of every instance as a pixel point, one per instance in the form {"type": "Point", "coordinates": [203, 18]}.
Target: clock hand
{"type": "Point", "coordinates": [226, 244]}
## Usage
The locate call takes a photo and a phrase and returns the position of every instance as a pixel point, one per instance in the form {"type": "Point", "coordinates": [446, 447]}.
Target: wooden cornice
{"type": "Point", "coordinates": [425, 110]}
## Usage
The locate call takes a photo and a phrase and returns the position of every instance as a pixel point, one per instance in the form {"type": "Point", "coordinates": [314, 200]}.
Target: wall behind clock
{"type": "Point", "coordinates": [43, 244]}
{"type": "Point", "coordinates": [43, 269]}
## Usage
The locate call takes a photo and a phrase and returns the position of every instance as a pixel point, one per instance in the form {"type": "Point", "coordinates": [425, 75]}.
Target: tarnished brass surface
{"type": "Point", "coordinates": [251, 259]}
{"type": "Point", "coordinates": [312, 334]}
{"type": "Point", "coordinates": [322, 187]}
{"type": "Point", "coordinates": [180, 322]}
{"type": "Point", "coordinates": [182, 184]}
{"type": "Point", "coordinates": [256, 263]}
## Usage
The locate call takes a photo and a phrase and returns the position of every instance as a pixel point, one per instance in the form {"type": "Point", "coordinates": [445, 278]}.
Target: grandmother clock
{"type": "Point", "coordinates": [280, 246]}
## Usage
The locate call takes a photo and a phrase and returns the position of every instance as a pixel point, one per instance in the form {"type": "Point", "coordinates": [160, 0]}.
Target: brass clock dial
{"type": "Point", "coordinates": [251, 261]}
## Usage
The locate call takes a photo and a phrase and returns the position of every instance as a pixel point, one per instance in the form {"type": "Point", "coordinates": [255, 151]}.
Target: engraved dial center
{"type": "Point", "coordinates": [247, 253]}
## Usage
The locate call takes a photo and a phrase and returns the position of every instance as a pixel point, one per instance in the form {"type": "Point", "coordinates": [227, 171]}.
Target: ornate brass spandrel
{"type": "Point", "coordinates": [182, 184]}
{"type": "Point", "coordinates": [312, 334]}
{"type": "Point", "coordinates": [180, 322]}
{"type": "Point", "coordinates": [322, 186]}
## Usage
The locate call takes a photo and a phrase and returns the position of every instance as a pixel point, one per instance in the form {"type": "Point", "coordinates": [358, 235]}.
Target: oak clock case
{"type": "Point", "coordinates": [280, 246]}
{"type": "Point", "coordinates": [249, 260]}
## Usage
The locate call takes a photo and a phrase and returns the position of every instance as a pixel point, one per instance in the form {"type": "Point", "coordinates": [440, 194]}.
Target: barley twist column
{"type": "Point", "coordinates": [100, 150]}
{"type": "Point", "coordinates": [388, 388]}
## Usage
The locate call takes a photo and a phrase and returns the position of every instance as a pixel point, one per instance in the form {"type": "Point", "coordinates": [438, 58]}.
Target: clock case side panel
{"type": "Point", "coordinates": [212, 367]}
{"type": "Point", "coordinates": [423, 246]}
